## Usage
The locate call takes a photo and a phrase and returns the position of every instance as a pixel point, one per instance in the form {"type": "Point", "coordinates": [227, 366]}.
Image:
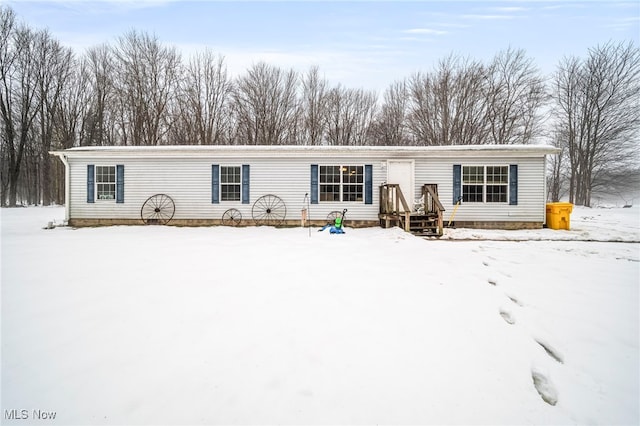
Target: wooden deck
{"type": "Point", "coordinates": [425, 218]}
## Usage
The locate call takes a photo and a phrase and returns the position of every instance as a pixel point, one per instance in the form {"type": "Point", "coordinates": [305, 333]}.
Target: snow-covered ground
{"type": "Point", "coordinates": [217, 325]}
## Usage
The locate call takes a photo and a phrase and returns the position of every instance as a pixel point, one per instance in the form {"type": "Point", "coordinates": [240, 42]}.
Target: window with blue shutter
{"type": "Point", "coordinates": [102, 183]}
{"type": "Point", "coordinates": [341, 183]}
{"type": "Point", "coordinates": [513, 184]}
{"type": "Point", "coordinates": [120, 183]}
{"type": "Point", "coordinates": [91, 187]}
{"type": "Point", "coordinates": [483, 184]}
{"type": "Point", "coordinates": [314, 184]}
{"type": "Point", "coordinates": [245, 184]}
{"type": "Point", "coordinates": [215, 184]}
{"type": "Point", "coordinates": [368, 184]}
{"type": "Point", "coordinates": [457, 183]}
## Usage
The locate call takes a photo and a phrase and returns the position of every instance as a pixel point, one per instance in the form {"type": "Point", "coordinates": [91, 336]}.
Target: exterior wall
{"type": "Point", "coordinates": [186, 177]}
{"type": "Point", "coordinates": [188, 183]}
{"type": "Point", "coordinates": [531, 189]}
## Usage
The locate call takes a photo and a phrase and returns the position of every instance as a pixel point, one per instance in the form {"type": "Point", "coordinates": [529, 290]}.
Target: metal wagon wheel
{"type": "Point", "coordinates": [331, 217]}
{"type": "Point", "coordinates": [232, 217]}
{"type": "Point", "coordinates": [158, 210]}
{"type": "Point", "coordinates": [269, 210]}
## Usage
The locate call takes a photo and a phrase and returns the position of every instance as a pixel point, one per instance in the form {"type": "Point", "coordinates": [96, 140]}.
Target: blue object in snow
{"type": "Point", "coordinates": [336, 227]}
{"type": "Point", "coordinates": [324, 227]}
{"type": "Point", "coordinates": [335, 230]}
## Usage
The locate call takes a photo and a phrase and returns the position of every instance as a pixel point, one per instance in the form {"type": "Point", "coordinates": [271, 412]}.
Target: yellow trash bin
{"type": "Point", "coordinates": [559, 215]}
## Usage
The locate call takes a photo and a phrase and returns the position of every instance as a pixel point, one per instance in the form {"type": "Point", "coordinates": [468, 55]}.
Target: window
{"type": "Point", "coordinates": [472, 184]}
{"type": "Point", "coordinates": [106, 182]}
{"type": "Point", "coordinates": [329, 183]}
{"type": "Point", "coordinates": [485, 184]}
{"type": "Point", "coordinates": [352, 183]}
{"type": "Point", "coordinates": [341, 183]}
{"type": "Point", "coordinates": [497, 184]}
{"type": "Point", "coordinates": [230, 183]}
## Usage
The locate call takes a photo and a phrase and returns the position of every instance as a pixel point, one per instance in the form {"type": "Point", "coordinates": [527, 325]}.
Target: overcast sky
{"type": "Point", "coordinates": [364, 44]}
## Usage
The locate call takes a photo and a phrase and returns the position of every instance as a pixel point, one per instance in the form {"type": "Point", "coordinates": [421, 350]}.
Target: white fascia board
{"type": "Point", "coordinates": [279, 151]}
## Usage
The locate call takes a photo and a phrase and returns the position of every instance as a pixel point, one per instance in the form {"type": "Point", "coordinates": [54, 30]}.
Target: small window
{"type": "Point", "coordinates": [341, 183]}
{"type": "Point", "coordinates": [488, 184]}
{"type": "Point", "coordinates": [106, 182]}
{"type": "Point", "coordinates": [230, 183]}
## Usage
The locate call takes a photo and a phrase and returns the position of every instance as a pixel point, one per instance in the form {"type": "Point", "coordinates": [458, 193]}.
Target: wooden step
{"type": "Point", "coordinates": [419, 224]}
{"type": "Point", "coordinates": [426, 234]}
{"type": "Point", "coordinates": [424, 225]}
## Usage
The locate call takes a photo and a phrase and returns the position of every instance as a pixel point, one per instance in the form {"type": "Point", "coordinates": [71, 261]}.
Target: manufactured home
{"type": "Point", "coordinates": [418, 188]}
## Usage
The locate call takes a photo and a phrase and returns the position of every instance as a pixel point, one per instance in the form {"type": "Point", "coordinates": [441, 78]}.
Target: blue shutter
{"type": "Point", "coordinates": [457, 183]}
{"type": "Point", "coordinates": [368, 184]}
{"type": "Point", "coordinates": [513, 184]}
{"type": "Point", "coordinates": [245, 184]}
{"type": "Point", "coordinates": [91, 183]}
{"type": "Point", "coordinates": [215, 184]}
{"type": "Point", "coordinates": [120, 183]}
{"type": "Point", "coordinates": [314, 184]}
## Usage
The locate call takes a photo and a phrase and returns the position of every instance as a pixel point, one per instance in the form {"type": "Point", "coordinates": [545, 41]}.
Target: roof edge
{"type": "Point", "coordinates": [302, 149]}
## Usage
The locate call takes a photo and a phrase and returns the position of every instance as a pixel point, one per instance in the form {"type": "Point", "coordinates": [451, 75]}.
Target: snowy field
{"type": "Point", "coordinates": [164, 325]}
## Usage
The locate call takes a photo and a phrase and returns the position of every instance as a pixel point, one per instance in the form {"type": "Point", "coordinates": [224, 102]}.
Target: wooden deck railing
{"type": "Point", "coordinates": [395, 211]}
{"type": "Point", "coordinates": [393, 200]}
{"type": "Point", "coordinates": [393, 205]}
{"type": "Point", "coordinates": [432, 204]}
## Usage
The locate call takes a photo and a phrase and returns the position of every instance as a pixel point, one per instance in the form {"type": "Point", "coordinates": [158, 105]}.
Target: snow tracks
{"type": "Point", "coordinates": [540, 377]}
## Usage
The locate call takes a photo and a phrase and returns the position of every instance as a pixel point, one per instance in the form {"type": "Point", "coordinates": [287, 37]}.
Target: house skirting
{"type": "Point", "coordinates": [85, 222]}
{"type": "Point", "coordinates": [496, 225]}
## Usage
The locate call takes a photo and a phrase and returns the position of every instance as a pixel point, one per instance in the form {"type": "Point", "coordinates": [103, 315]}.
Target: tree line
{"type": "Point", "coordinates": [137, 91]}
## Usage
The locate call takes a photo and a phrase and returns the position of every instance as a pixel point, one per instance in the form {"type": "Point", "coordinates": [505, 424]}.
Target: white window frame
{"type": "Point", "coordinates": [485, 184]}
{"type": "Point", "coordinates": [99, 184]}
{"type": "Point", "coordinates": [223, 184]}
{"type": "Point", "coordinates": [341, 184]}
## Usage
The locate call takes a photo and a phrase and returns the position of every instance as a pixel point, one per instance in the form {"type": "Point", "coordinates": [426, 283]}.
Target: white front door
{"type": "Point", "coordinates": [401, 172]}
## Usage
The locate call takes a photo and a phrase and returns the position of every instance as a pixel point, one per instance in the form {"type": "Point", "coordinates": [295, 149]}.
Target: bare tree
{"type": "Point", "coordinates": [18, 95]}
{"type": "Point", "coordinates": [556, 174]}
{"type": "Point", "coordinates": [425, 122]}
{"type": "Point", "coordinates": [566, 113]}
{"type": "Point", "coordinates": [72, 114]}
{"type": "Point", "coordinates": [7, 58]}
{"type": "Point", "coordinates": [390, 126]}
{"type": "Point", "coordinates": [313, 108]}
{"type": "Point", "coordinates": [350, 114]}
{"type": "Point", "coordinates": [515, 94]}
{"type": "Point", "coordinates": [449, 106]}
{"type": "Point", "coordinates": [204, 101]}
{"type": "Point", "coordinates": [68, 120]}
{"type": "Point", "coordinates": [54, 65]}
{"type": "Point", "coordinates": [596, 108]}
{"type": "Point", "coordinates": [146, 85]}
{"type": "Point", "coordinates": [265, 105]}
{"type": "Point", "coordinates": [99, 70]}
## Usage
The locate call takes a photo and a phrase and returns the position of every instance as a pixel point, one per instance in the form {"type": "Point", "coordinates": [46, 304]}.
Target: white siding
{"type": "Point", "coordinates": [531, 189]}
{"type": "Point", "coordinates": [188, 183]}
{"type": "Point", "coordinates": [185, 175]}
